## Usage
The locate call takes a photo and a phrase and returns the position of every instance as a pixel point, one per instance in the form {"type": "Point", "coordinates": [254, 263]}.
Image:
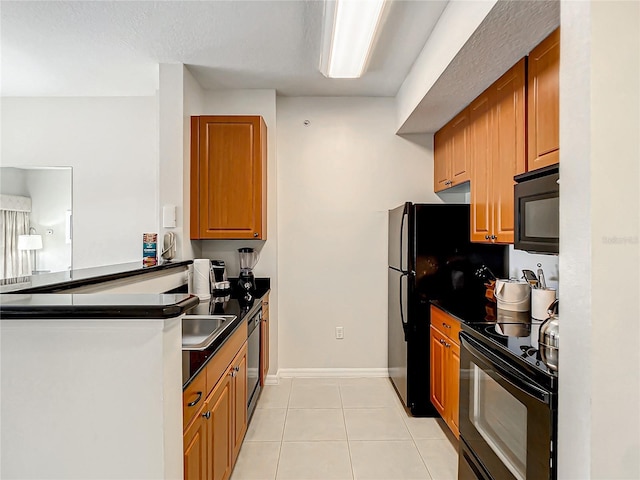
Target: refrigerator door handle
{"type": "Point", "coordinates": [404, 321]}
{"type": "Point", "coordinates": [405, 214]}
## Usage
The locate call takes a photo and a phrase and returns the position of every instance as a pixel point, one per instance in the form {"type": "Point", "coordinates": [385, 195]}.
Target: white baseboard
{"type": "Point", "coordinates": [331, 372]}
{"type": "Point", "coordinates": [271, 380]}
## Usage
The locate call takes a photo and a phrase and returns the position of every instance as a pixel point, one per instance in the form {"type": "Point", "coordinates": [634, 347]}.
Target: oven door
{"type": "Point", "coordinates": [505, 420]}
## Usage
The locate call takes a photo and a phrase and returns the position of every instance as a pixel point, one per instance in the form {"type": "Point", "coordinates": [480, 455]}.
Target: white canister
{"type": "Point", "coordinates": [513, 295]}
{"type": "Point", "coordinates": [541, 299]}
{"type": "Point", "coordinates": [201, 286]}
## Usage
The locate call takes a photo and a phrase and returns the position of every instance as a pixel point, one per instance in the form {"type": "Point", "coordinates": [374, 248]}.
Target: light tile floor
{"type": "Point", "coordinates": [342, 428]}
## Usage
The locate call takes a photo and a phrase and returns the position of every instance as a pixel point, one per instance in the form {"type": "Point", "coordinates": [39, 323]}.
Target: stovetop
{"type": "Point", "coordinates": [516, 339]}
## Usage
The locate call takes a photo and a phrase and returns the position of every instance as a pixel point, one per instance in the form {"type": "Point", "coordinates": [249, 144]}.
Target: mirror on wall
{"type": "Point", "coordinates": [35, 220]}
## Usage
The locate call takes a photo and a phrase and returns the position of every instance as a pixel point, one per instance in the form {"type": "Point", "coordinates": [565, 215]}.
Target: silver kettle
{"type": "Point", "coordinates": [549, 337]}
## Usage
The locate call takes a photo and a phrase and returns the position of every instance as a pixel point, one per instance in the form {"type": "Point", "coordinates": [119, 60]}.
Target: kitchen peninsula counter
{"type": "Point", "coordinates": [72, 279]}
{"type": "Point", "coordinates": [20, 306]}
{"type": "Point", "coordinates": [89, 377]}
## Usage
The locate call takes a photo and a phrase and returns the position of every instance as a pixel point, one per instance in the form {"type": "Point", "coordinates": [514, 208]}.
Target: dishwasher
{"type": "Point", "coordinates": [253, 362]}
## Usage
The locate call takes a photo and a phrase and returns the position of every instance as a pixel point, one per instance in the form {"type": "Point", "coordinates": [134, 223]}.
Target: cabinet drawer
{"type": "Point", "coordinates": [219, 364]}
{"type": "Point", "coordinates": [193, 399]}
{"type": "Point", "coordinates": [447, 325]}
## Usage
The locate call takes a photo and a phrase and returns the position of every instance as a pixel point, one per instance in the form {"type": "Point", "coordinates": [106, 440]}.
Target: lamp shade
{"type": "Point", "coordinates": [29, 242]}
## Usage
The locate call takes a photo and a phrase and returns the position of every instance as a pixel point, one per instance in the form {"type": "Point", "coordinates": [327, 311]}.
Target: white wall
{"type": "Point", "coordinates": [337, 178]}
{"type": "Point", "coordinates": [599, 250]}
{"type": "Point", "coordinates": [112, 145]}
{"type": "Point", "coordinates": [170, 151]}
{"type": "Point", "coordinates": [193, 104]}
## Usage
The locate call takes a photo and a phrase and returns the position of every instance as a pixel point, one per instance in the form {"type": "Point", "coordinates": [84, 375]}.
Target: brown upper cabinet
{"type": "Point", "coordinates": [543, 103]}
{"type": "Point", "coordinates": [228, 177]}
{"type": "Point", "coordinates": [451, 156]}
{"type": "Point", "coordinates": [497, 154]}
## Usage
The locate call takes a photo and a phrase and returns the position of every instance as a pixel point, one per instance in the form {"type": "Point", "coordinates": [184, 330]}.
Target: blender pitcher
{"type": "Point", "coordinates": [246, 281]}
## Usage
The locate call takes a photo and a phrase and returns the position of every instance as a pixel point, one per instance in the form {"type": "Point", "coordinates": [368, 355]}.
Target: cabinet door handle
{"type": "Point", "coordinates": [447, 344]}
{"type": "Point", "coordinates": [445, 325]}
{"type": "Point", "coordinates": [441, 341]}
{"type": "Point", "coordinates": [193, 404]}
{"type": "Point", "coordinates": [237, 369]}
{"type": "Point", "coordinates": [486, 237]}
{"type": "Point", "coordinates": [207, 414]}
{"type": "Point", "coordinates": [255, 234]}
{"type": "Point", "coordinates": [232, 372]}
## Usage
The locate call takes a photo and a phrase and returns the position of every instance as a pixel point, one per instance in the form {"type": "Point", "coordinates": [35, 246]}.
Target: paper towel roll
{"type": "Point", "coordinates": [541, 298]}
{"type": "Point", "coordinates": [201, 268]}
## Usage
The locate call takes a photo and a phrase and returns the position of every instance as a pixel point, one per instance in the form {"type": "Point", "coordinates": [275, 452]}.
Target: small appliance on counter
{"type": "Point", "coordinates": [246, 280]}
{"type": "Point", "coordinates": [549, 338]}
{"type": "Point", "coordinates": [201, 278]}
{"type": "Point", "coordinates": [513, 295]}
{"type": "Point", "coordinates": [220, 286]}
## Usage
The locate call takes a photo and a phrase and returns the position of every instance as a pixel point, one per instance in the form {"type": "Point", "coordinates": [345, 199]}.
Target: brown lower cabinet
{"type": "Point", "coordinates": [214, 434]}
{"type": "Point", "coordinates": [445, 367]}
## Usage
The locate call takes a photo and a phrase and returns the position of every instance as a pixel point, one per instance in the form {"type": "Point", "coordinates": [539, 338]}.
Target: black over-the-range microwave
{"type": "Point", "coordinates": [537, 210]}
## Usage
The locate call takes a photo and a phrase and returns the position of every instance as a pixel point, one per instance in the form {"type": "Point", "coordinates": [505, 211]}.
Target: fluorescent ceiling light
{"type": "Point", "coordinates": [349, 31]}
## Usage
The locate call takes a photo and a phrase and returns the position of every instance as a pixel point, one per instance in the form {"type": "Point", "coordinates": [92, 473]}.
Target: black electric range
{"type": "Point", "coordinates": [508, 396]}
{"type": "Point", "coordinates": [518, 342]}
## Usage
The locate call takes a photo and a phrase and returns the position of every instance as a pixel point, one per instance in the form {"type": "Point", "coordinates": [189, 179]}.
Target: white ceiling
{"type": "Point", "coordinates": [96, 48]}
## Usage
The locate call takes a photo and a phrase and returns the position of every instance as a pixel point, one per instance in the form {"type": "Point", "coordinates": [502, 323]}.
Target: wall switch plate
{"type": "Point", "coordinates": [169, 216]}
{"type": "Point", "coordinates": [339, 333]}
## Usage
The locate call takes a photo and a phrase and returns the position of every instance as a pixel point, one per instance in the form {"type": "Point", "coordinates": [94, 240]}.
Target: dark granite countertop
{"type": "Point", "coordinates": [193, 362]}
{"type": "Point", "coordinates": [475, 310]}
{"type": "Point", "coordinates": [468, 310]}
{"type": "Point", "coordinates": [60, 281]}
{"type": "Point", "coordinates": [20, 306]}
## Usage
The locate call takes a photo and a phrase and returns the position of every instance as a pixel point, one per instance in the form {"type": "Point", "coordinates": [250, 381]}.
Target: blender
{"type": "Point", "coordinates": [246, 281]}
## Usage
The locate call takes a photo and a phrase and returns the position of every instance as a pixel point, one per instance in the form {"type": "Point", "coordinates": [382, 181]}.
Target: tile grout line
{"type": "Point", "coordinates": [346, 432]}
{"type": "Point", "coordinates": [286, 414]}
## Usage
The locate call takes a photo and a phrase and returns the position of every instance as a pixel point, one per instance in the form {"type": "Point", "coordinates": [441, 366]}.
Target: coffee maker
{"type": "Point", "coordinates": [246, 281]}
{"type": "Point", "coordinates": [220, 286]}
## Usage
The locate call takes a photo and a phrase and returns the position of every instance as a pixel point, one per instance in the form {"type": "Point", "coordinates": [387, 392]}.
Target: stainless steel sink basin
{"type": "Point", "coordinates": [200, 331]}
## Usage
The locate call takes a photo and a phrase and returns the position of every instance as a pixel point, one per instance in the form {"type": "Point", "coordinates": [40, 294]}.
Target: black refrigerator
{"type": "Point", "coordinates": [430, 258]}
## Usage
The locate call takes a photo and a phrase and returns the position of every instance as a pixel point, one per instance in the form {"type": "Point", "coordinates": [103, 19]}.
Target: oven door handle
{"type": "Point", "coordinates": [502, 368]}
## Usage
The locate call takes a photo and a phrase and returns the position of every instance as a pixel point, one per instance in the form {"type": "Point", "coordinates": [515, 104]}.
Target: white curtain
{"type": "Point", "coordinates": [14, 221]}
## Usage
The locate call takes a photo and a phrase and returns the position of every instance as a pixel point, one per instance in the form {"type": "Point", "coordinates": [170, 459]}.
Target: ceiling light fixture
{"type": "Point", "coordinates": [348, 33]}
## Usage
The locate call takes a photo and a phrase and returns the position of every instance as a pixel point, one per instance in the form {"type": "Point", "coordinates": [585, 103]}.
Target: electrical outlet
{"type": "Point", "coordinates": [339, 332]}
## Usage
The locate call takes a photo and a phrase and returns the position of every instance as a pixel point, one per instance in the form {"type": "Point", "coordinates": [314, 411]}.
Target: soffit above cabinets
{"type": "Point", "coordinates": [509, 32]}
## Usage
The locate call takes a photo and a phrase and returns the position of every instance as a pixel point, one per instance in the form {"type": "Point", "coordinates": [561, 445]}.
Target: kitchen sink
{"type": "Point", "coordinates": [200, 331]}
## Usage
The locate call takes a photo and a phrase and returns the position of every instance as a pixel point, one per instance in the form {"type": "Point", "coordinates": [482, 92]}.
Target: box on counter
{"type": "Point", "coordinates": [149, 249]}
